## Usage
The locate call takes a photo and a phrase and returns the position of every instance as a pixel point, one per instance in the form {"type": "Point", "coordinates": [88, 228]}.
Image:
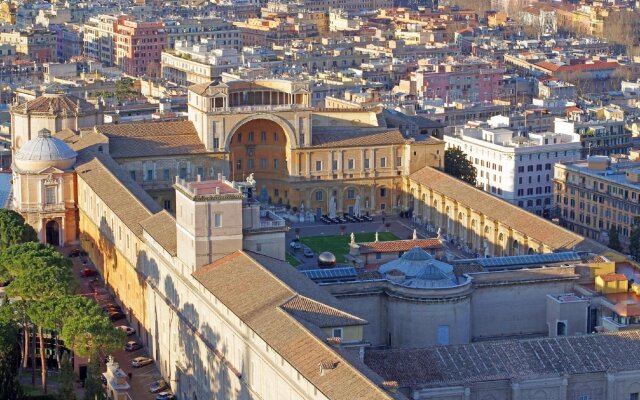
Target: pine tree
{"type": "Point", "coordinates": [458, 165]}
{"type": "Point", "coordinates": [92, 385]}
{"type": "Point", "coordinates": [614, 239]}
{"type": "Point", "coordinates": [66, 380]}
{"type": "Point", "coordinates": [634, 241]}
{"type": "Point", "coordinates": [10, 388]}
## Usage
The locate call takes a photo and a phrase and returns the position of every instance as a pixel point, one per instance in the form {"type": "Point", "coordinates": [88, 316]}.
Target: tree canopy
{"type": "Point", "coordinates": [614, 239]}
{"type": "Point", "coordinates": [14, 230]}
{"type": "Point", "coordinates": [458, 165]}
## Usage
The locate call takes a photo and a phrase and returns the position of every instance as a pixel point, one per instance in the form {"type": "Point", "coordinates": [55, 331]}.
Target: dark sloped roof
{"type": "Point", "coordinates": [256, 296]}
{"type": "Point", "coordinates": [486, 361]}
{"type": "Point", "coordinates": [55, 104]}
{"type": "Point", "coordinates": [113, 185]}
{"type": "Point", "coordinates": [319, 314]}
{"type": "Point", "coordinates": [145, 139]}
{"type": "Point", "coordinates": [357, 137]}
{"type": "Point", "coordinates": [514, 217]}
{"type": "Point", "coordinates": [162, 228]}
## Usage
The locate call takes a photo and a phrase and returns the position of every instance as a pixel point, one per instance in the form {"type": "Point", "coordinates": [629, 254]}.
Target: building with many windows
{"type": "Point", "coordinates": [518, 169]}
{"type": "Point", "coordinates": [596, 194]}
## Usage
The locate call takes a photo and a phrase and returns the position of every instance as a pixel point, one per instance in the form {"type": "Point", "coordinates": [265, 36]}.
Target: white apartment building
{"type": "Point", "coordinates": [190, 64]}
{"type": "Point", "coordinates": [517, 169]}
{"type": "Point", "coordinates": [98, 38]}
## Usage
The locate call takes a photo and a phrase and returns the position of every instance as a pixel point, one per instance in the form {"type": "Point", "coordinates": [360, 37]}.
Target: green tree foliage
{"type": "Point", "coordinates": [91, 335]}
{"type": "Point", "coordinates": [92, 385]}
{"type": "Point", "coordinates": [66, 380]}
{"type": "Point", "coordinates": [10, 388]}
{"type": "Point", "coordinates": [13, 230]}
{"type": "Point", "coordinates": [614, 239]}
{"type": "Point", "coordinates": [41, 274]}
{"type": "Point", "coordinates": [458, 165]}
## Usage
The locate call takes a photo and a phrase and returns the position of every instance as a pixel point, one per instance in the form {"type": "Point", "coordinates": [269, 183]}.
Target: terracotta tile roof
{"type": "Point", "coordinates": [589, 67]}
{"type": "Point", "coordinates": [357, 137]}
{"type": "Point", "coordinates": [162, 228]}
{"type": "Point", "coordinates": [510, 359]}
{"type": "Point", "coordinates": [56, 104]}
{"type": "Point", "coordinates": [83, 139]}
{"type": "Point", "coordinates": [152, 139]}
{"type": "Point", "coordinates": [537, 228]}
{"type": "Point", "coordinates": [548, 66]}
{"type": "Point", "coordinates": [613, 277]}
{"type": "Point", "coordinates": [201, 88]}
{"type": "Point", "coordinates": [320, 314]}
{"type": "Point", "coordinates": [399, 245]}
{"type": "Point", "coordinates": [113, 185]}
{"type": "Point", "coordinates": [256, 296]}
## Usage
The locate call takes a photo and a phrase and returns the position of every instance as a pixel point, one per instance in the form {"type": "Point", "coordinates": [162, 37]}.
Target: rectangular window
{"type": "Point", "coordinates": [398, 161]}
{"type": "Point", "coordinates": [318, 165]}
{"type": "Point", "coordinates": [167, 205]}
{"type": "Point", "coordinates": [251, 136]}
{"type": "Point", "coordinates": [275, 163]}
{"type": "Point", "coordinates": [383, 162]}
{"type": "Point", "coordinates": [263, 136]}
{"type": "Point", "coordinates": [149, 175]}
{"type": "Point", "coordinates": [183, 173]}
{"type": "Point", "coordinates": [217, 220]}
{"type": "Point", "coordinates": [200, 171]}
{"type": "Point", "coordinates": [366, 163]}
{"type": "Point", "coordinates": [319, 195]}
{"type": "Point", "coordinates": [166, 174]}
{"type": "Point", "coordinates": [337, 332]}
{"type": "Point", "coordinates": [334, 165]}
{"type": "Point", "coordinates": [263, 163]}
{"type": "Point", "coordinates": [133, 175]}
{"type": "Point", "coordinates": [378, 256]}
{"type": "Point", "coordinates": [216, 143]}
{"type": "Point", "coordinates": [351, 194]}
{"type": "Point", "coordinates": [443, 335]}
{"type": "Point", "coordinates": [383, 192]}
{"type": "Point", "coordinates": [275, 137]}
{"type": "Point", "coordinates": [238, 164]}
{"type": "Point", "coordinates": [51, 195]}
{"type": "Point", "coordinates": [250, 164]}
{"type": "Point", "coordinates": [239, 137]}
{"type": "Point", "coordinates": [351, 163]}
{"type": "Point", "coordinates": [634, 396]}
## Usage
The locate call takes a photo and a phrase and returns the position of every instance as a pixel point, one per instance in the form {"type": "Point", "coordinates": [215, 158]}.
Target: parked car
{"type": "Point", "coordinates": [166, 396]}
{"type": "Point", "coordinates": [127, 329]}
{"type": "Point", "coordinates": [116, 315]}
{"type": "Point", "coordinates": [158, 386]}
{"type": "Point", "coordinates": [308, 252]}
{"type": "Point", "coordinates": [141, 362]}
{"type": "Point", "coordinates": [87, 272]}
{"type": "Point", "coordinates": [74, 253]}
{"type": "Point", "coordinates": [295, 245]}
{"type": "Point", "coordinates": [132, 345]}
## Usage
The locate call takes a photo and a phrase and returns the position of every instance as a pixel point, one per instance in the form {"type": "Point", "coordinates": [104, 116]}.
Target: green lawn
{"type": "Point", "coordinates": [339, 244]}
{"type": "Point", "coordinates": [292, 260]}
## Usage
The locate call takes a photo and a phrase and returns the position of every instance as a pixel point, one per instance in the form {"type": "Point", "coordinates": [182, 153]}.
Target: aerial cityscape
{"type": "Point", "coordinates": [319, 199]}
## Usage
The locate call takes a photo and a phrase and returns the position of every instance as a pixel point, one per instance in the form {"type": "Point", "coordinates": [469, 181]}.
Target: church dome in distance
{"type": "Point", "coordinates": [44, 151]}
{"type": "Point", "coordinates": [417, 268]}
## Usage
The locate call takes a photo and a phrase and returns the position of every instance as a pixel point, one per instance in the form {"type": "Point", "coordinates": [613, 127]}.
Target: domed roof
{"type": "Point", "coordinates": [43, 151]}
{"type": "Point", "coordinates": [421, 270]}
{"type": "Point", "coordinates": [327, 257]}
{"type": "Point", "coordinates": [55, 104]}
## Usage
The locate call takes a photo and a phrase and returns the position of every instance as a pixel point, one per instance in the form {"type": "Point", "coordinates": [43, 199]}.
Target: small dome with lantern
{"type": "Point", "coordinates": [44, 151]}
{"type": "Point", "coordinates": [417, 268]}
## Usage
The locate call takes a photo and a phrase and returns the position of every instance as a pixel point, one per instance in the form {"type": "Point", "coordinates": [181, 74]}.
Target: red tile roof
{"type": "Point", "coordinates": [399, 245]}
{"type": "Point", "coordinates": [613, 277]}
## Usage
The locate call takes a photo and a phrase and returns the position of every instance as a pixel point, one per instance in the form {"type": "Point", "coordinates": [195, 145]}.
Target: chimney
{"type": "Point", "coordinates": [327, 366]}
{"type": "Point", "coordinates": [199, 178]}
{"type": "Point", "coordinates": [217, 189]}
{"type": "Point", "coordinates": [219, 176]}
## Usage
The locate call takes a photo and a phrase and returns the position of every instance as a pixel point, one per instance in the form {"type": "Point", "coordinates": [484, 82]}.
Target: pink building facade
{"type": "Point", "coordinates": [138, 46]}
{"type": "Point", "coordinates": [471, 80]}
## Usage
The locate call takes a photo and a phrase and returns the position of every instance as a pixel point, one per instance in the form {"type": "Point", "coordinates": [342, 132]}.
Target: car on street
{"type": "Point", "coordinates": [127, 329]}
{"type": "Point", "coordinates": [166, 396]}
{"type": "Point", "coordinates": [308, 252]}
{"type": "Point", "coordinates": [158, 386]}
{"type": "Point", "coordinates": [295, 245]}
{"type": "Point", "coordinates": [88, 272]}
{"type": "Point", "coordinates": [115, 316]}
{"type": "Point", "coordinates": [141, 362]}
{"type": "Point", "coordinates": [77, 253]}
{"type": "Point", "coordinates": [132, 345]}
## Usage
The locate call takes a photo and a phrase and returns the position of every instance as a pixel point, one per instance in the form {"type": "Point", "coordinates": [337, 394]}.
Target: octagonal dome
{"type": "Point", "coordinates": [44, 151]}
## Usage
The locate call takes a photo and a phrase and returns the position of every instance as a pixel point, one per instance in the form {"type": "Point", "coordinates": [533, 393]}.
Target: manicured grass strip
{"type": "Point", "coordinates": [292, 260]}
{"type": "Point", "coordinates": [339, 244]}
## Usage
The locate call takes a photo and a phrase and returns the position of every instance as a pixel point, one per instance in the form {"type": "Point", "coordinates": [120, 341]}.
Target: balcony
{"type": "Point", "coordinates": [610, 325]}
{"type": "Point", "coordinates": [265, 107]}
{"type": "Point", "coordinates": [55, 207]}
{"type": "Point", "coordinates": [270, 220]}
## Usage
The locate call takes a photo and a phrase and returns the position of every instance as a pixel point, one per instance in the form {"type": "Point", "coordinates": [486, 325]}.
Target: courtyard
{"type": "Point", "coordinates": [339, 244]}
